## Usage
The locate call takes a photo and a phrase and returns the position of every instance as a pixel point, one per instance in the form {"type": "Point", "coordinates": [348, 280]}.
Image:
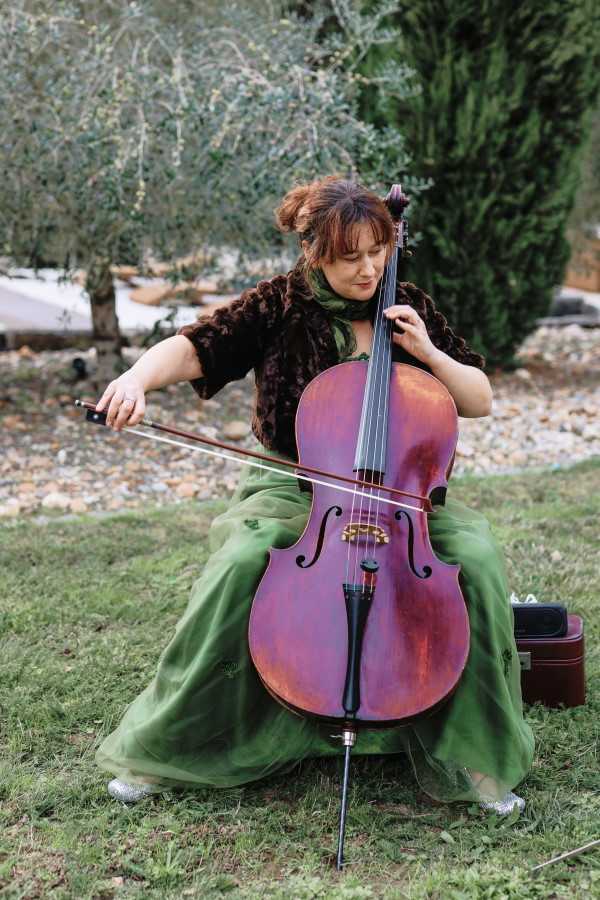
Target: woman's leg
{"type": "Point", "coordinates": [478, 745]}
{"type": "Point", "coordinates": [205, 718]}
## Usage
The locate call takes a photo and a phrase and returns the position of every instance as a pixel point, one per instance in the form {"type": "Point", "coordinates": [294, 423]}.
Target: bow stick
{"type": "Point", "coordinates": [99, 418]}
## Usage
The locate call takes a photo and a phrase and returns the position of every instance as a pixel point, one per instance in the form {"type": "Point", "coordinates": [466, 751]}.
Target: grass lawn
{"type": "Point", "coordinates": [86, 606]}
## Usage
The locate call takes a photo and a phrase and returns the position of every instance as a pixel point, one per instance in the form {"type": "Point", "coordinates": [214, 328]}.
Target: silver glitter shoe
{"type": "Point", "coordinates": [130, 793]}
{"type": "Point", "coordinates": [505, 806]}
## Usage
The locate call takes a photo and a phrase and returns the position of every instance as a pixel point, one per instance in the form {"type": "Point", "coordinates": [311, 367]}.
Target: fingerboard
{"type": "Point", "coordinates": [371, 447]}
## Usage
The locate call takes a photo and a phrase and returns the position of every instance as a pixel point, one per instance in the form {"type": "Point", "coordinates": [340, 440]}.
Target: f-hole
{"type": "Point", "coordinates": [427, 570]}
{"type": "Point", "coordinates": [300, 560]}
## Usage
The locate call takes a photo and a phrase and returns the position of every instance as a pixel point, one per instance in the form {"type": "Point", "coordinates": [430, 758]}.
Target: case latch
{"type": "Point", "coordinates": [525, 660]}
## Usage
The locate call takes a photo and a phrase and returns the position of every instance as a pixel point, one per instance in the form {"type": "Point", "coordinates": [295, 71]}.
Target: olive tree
{"type": "Point", "coordinates": [124, 132]}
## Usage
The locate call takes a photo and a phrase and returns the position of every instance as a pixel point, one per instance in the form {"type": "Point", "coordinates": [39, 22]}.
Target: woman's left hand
{"type": "Point", "coordinates": [410, 332]}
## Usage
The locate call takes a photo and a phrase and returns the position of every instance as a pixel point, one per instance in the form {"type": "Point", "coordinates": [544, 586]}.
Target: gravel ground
{"type": "Point", "coordinates": [546, 413]}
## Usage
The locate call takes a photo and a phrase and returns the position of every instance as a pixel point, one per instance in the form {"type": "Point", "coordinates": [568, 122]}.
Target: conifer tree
{"type": "Point", "coordinates": [507, 93]}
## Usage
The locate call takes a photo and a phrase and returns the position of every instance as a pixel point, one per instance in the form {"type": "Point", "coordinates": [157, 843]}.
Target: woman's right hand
{"type": "Point", "coordinates": [124, 400]}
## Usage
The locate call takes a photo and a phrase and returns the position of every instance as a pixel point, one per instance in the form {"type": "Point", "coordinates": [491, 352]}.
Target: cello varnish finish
{"type": "Point", "coordinates": [417, 634]}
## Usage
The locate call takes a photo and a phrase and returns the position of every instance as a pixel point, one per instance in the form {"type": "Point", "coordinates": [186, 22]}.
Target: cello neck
{"type": "Point", "coordinates": [371, 445]}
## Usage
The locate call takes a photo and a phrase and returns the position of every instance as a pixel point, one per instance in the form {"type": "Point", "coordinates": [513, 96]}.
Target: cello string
{"type": "Point", "coordinates": [385, 386]}
{"type": "Point", "coordinates": [377, 362]}
{"type": "Point", "coordinates": [360, 449]}
{"type": "Point", "coordinates": [385, 341]}
{"type": "Point", "coordinates": [382, 349]}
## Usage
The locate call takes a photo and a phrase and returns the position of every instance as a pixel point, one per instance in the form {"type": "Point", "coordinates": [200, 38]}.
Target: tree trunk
{"type": "Point", "coordinates": [105, 325]}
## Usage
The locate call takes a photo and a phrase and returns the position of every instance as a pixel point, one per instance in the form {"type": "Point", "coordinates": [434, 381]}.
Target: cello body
{"type": "Point", "coordinates": [414, 641]}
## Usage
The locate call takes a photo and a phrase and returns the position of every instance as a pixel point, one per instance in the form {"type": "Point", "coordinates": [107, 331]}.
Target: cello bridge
{"type": "Point", "coordinates": [354, 530]}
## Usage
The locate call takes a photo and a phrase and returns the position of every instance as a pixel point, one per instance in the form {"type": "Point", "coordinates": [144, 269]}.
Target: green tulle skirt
{"type": "Point", "coordinates": [205, 718]}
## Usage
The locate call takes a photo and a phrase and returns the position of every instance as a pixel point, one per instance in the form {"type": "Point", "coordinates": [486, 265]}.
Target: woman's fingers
{"type": "Point", "coordinates": [114, 409]}
{"type": "Point", "coordinates": [106, 396]}
{"type": "Point", "coordinates": [124, 402]}
{"type": "Point", "coordinates": [403, 313]}
{"type": "Point", "coordinates": [125, 410]}
{"type": "Point", "coordinates": [138, 412]}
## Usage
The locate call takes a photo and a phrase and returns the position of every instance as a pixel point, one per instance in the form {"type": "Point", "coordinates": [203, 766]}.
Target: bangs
{"type": "Point", "coordinates": [342, 235]}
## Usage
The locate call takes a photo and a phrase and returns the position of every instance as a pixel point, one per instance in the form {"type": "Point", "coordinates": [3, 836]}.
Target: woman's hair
{"type": "Point", "coordinates": [324, 212]}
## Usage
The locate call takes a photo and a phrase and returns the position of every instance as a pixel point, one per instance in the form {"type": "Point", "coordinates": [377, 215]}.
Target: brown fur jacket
{"type": "Point", "coordinates": [278, 330]}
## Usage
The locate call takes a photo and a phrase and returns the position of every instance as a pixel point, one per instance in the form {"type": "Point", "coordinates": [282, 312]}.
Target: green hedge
{"type": "Point", "coordinates": [499, 126]}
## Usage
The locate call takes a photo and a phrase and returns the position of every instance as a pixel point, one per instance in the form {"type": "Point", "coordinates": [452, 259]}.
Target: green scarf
{"type": "Point", "coordinates": [340, 311]}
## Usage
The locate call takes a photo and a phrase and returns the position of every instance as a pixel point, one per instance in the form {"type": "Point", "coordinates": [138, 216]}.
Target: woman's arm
{"type": "Point", "coordinates": [168, 362]}
{"type": "Point", "coordinates": [470, 387]}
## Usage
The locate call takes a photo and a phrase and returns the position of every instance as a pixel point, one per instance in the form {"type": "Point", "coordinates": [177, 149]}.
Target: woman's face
{"type": "Point", "coordinates": [355, 276]}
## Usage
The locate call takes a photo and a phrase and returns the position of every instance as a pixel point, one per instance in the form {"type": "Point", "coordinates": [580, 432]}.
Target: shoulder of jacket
{"type": "Point", "coordinates": [411, 290]}
{"type": "Point", "coordinates": [268, 289]}
{"type": "Point", "coordinates": [415, 297]}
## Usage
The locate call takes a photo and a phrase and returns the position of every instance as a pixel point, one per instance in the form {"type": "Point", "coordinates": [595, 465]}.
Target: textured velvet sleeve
{"type": "Point", "coordinates": [232, 340]}
{"type": "Point", "coordinates": [437, 326]}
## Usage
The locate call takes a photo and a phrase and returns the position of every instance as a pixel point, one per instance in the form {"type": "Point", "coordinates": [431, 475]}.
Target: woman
{"type": "Point", "coordinates": [206, 719]}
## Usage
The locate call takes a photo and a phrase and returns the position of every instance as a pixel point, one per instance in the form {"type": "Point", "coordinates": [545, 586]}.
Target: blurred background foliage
{"type": "Point", "coordinates": [131, 130]}
{"type": "Point", "coordinates": [502, 127]}
{"type": "Point", "coordinates": [143, 129]}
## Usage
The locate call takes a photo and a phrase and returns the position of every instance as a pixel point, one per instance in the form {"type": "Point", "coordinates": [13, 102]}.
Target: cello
{"type": "Point", "coordinates": [358, 624]}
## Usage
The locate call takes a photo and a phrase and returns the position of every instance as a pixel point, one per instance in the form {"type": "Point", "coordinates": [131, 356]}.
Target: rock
{"type": "Point", "coordinates": [237, 430]}
{"type": "Point", "coordinates": [591, 433]}
{"type": "Point", "coordinates": [211, 404]}
{"type": "Point", "coordinates": [152, 294]}
{"type": "Point", "coordinates": [125, 273]}
{"type": "Point", "coordinates": [518, 458]}
{"type": "Point", "coordinates": [556, 556]}
{"type": "Point", "coordinates": [523, 374]}
{"type": "Point", "coordinates": [26, 352]}
{"type": "Point", "coordinates": [186, 489]}
{"type": "Point", "coordinates": [56, 500]}
{"type": "Point", "coordinates": [27, 487]}
{"type": "Point", "coordinates": [13, 422]}
{"type": "Point", "coordinates": [78, 505]}
{"type": "Point", "coordinates": [61, 457]}
{"type": "Point", "coordinates": [464, 450]}
{"type": "Point", "coordinates": [39, 462]}
{"type": "Point", "coordinates": [12, 507]}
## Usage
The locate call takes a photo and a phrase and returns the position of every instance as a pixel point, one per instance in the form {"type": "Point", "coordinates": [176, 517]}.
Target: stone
{"type": "Point", "coordinates": [591, 433]}
{"type": "Point", "coordinates": [56, 500]}
{"type": "Point", "coordinates": [152, 294]}
{"type": "Point", "coordinates": [523, 374]}
{"type": "Point", "coordinates": [13, 422]}
{"type": "Point", "coordinates": [556, 556]}
{"type": "Point", "coordinates": [11, 508]}
{"type": "Point", "coordinates": [39, 462]}
{"type": "Point", "coordinates": [236, 430]}
{"type": "Point", "coordinates": [186, 489]}
{"type": "Point", "coordinates": [464, 450]}
{"type": "Point", "coordinates": [78, 505]}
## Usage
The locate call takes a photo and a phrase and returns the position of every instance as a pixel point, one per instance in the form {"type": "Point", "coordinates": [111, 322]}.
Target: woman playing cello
{"type": "Point", "coordinates": [206, 719]}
